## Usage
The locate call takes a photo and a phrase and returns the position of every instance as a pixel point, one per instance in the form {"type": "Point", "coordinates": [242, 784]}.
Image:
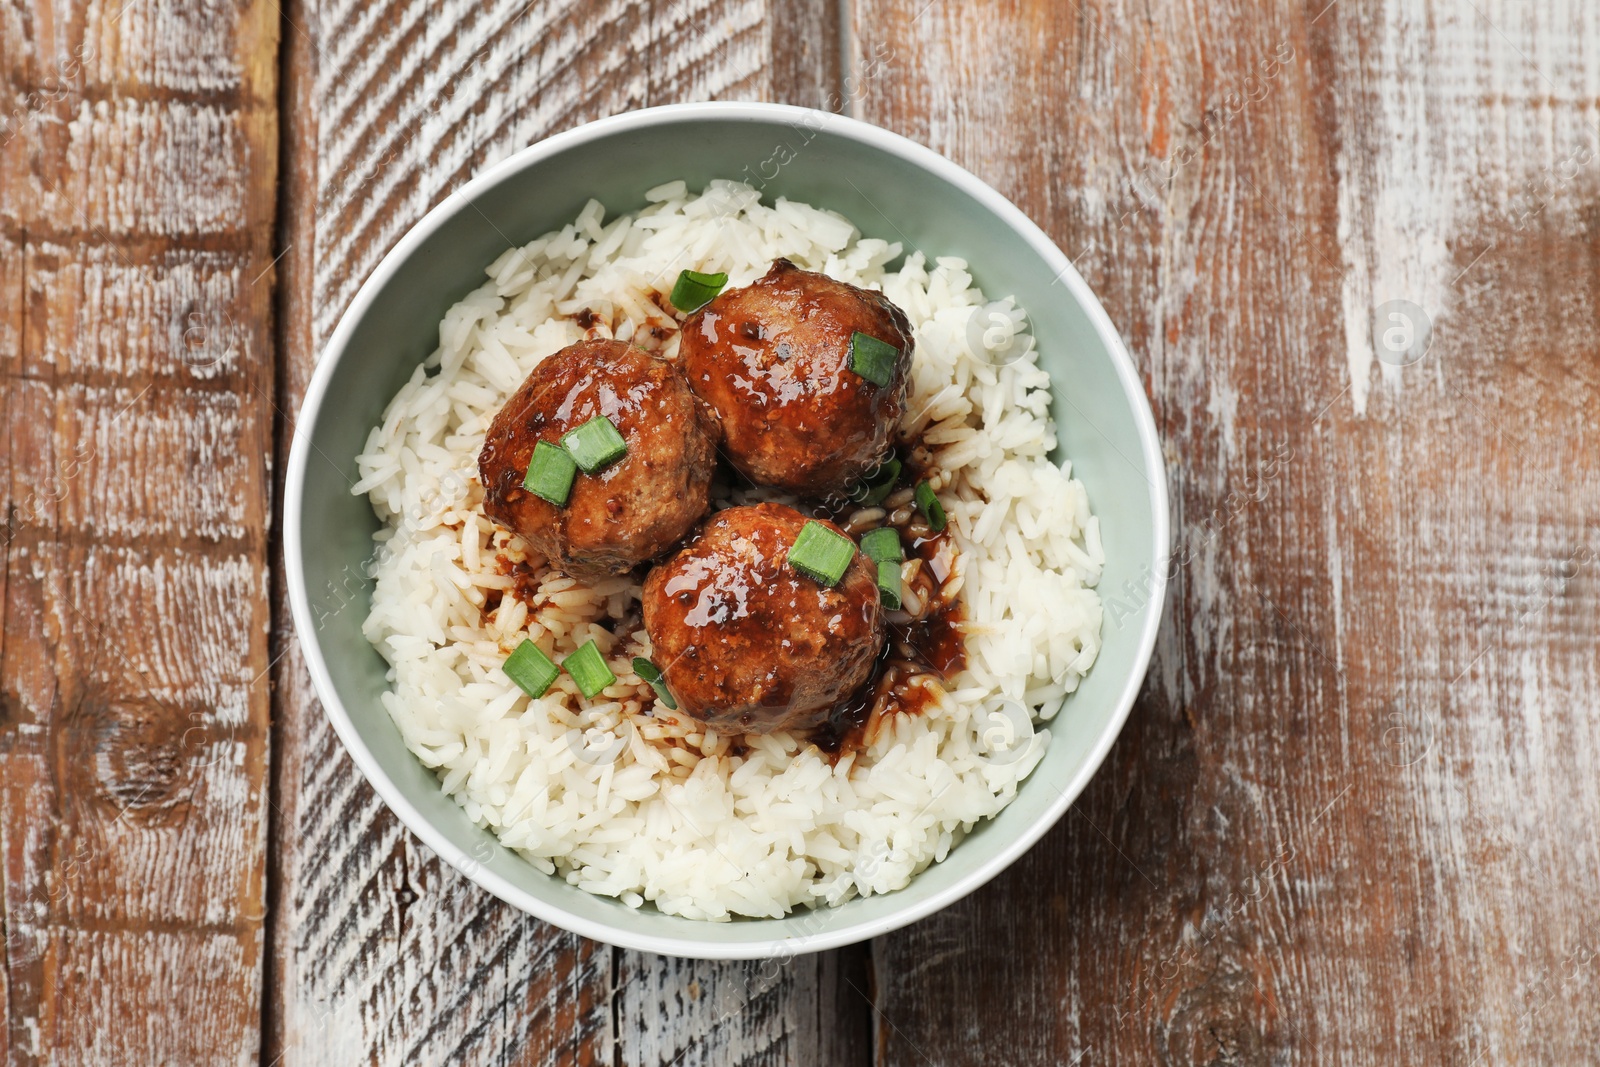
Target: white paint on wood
{"type": "Point", "coordinates": [381, 954]}
{"type": "Point", "coordinates": [1399, 173]}
{"type": "Point", "coordinates": [135, 191]}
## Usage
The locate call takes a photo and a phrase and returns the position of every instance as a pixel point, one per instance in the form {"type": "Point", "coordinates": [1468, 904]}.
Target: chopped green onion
{"type": "Point", "coordinates": [873, 359]}
{"type": "Point", "coordinates": [882, 545]}
{"type": "Point", "coordinates": [550, 473]}
{"type": "Point", "coordinates": [531, 669]}
{"type": "Point", "coordinates": [595, 444]}
{"type": "Point", "coordinates": [820, 553]}
{"type": "Point", "coordinates": [877, 495]}
{"type": "Point", "coordinates": [652, 674]}
{"type": "Point", "coordinates": [879, 485]}
{"type": "Point", "coordinates": [588, 668]}
{"type": "Point", "coordinates": [930, 507]}
{"type": "Point", "coordinates": [694, 290]}
{"type": "Point", "coordinates": [889, 583]}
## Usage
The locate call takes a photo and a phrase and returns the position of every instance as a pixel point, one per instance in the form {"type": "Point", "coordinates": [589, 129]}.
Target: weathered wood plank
{"type": "Point", "coordinates": [1350, 821]}
{"type": "Point", "coordinates": [802, 1010]}
{"type": "Point", "coordinates": [138, 153]}
{"type": "Point", "coordinates": [379, 953]}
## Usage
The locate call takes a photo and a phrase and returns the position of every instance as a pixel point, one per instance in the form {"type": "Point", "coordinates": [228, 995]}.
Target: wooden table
{"type": "Point", "coordinates": [1353, 818]}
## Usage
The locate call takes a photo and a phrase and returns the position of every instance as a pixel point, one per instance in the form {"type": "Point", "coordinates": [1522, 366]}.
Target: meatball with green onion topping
{"type": "Point", "coordinates": [764, 621]}
{"type": "Point", "coordinates": [807, 376]}
{"type": "Point", "coordinates": [600, 460]}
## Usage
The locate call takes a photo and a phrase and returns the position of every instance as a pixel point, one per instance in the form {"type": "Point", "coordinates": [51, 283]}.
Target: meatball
{"type": "Point", "coordinates": [625, 513]}
{"type": "Point", "coordinates": [773, 361]}
{"type": "Point", "coordinates": [747, 643]}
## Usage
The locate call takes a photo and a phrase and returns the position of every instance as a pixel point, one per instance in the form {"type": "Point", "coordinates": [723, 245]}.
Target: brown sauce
{"type": "Point", "coordinates": [525, 584]}
{"type": "Point", "coordinates": [938, 641]}
{"type": "Point", "coordinates": [847, 719]}
{"type": "Point", "coordinates": [936, 645]}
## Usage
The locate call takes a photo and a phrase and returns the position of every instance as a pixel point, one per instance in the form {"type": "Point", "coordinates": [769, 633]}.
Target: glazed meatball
{"type": "Point", "coordinates": [773, 361]}
{"type": "Point", "coordinates": [747, 643]}
{"type": "Point", "coordinates": [625, 513]}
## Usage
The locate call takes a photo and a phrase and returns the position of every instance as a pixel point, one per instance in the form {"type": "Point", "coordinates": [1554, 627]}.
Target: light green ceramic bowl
{"type": "Point", "coordinates": [892, 188]}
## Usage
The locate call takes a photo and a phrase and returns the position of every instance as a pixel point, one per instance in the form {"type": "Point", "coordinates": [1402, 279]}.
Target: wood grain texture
{"type": "Point", "coordinates": [379, 952]}
{"type": "Point", "coordinates": [1352, 819]}
{"type": "Point", "coordinates": [138, 151]}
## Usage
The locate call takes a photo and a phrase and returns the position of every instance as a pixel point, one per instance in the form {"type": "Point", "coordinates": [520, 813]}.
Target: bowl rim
{"type": "Point", "coordinates": [460, 200]}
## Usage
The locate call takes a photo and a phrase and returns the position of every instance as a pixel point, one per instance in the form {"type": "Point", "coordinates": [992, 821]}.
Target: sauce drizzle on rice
{"type": "Point", "coordinates": [916, 662]}
{"type": "Point", "coordinates": [924, 651]}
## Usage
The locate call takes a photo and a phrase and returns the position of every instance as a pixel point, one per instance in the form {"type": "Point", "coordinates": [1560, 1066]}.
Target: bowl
{"type": "Point", "coordinates": [1103, 422]}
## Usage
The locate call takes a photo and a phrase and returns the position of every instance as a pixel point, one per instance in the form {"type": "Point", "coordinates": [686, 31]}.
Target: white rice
{"type": "Point", "coordinates": [617, 795]}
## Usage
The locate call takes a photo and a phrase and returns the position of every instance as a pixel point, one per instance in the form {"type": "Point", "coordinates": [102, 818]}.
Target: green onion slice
{"type": "Point", "coordinates": [595, 444]}
{"type": "Point", "coordinates": [694, 290]}
{"type": "Point", "coordinates": [930, 507]}
{"type": "Point", "coordinates": [531, 669]}
{"type": "Point", "coordinates": [652, 674]}
{"type": "Point", "coordinates": [877, 495]}
{"type": "Point", "coordinates": [875, 488]}
{"type": "Point", "coordinates": [889, 583]}
{"type": "Point", "coordinates": [820, 553]}
{"type": "Point", "coordinates": [550, 473]}
{"type": "Point", "coordinates": [873, 359]}
{"type": "Point", "coordinates": [882, 545]}
{"type": "Point", "coordinates": [588, 668]}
